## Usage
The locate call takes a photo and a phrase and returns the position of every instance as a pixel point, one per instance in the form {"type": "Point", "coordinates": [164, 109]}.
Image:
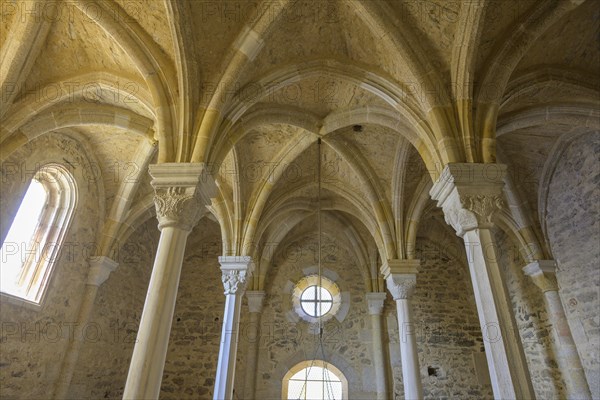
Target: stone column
{"type": "Point", "coordinates": [401, 280]}
{"type": "Point", "coordinates": [100, 269]}
{"type": "Point", "coordinates": [255, 304]}
{"type": "Point", "coordinates": [181, 193]}
{"type": "Point", "coordinates": [543, 274]}
{"type": "Point", "coordinates": [375, 305]}
{"type": "Point", "coordinates": [236, 271]}
{"type": "Point", "coordinates": [469, 195]}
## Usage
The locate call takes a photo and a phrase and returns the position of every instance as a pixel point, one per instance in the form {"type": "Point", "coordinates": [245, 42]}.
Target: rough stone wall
{"type": "Point", "coordinates": [33, 340]}
{"type": "Point", "coordinates": [532, 321]}
{"type": "Point", "coordinates": [191, 364]}
{"type": "Point", "coordinates": [446, 325]}
{"type": "Point", "coordinates": [104, 358]}
{"type": "Point", "coordinates": [574, 235]}
{"type": "Point", "coordinates": [284, 343]}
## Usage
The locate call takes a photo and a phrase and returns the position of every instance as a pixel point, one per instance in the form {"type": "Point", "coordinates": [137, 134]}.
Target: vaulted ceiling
{"type": "Point", "coordinates": [395, 89]}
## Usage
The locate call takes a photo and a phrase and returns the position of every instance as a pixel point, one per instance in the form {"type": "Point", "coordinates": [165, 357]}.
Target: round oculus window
{"type": "Point", "coordinates": [316, 301]}
{"type": "Point", "coordinates": [316, 298]}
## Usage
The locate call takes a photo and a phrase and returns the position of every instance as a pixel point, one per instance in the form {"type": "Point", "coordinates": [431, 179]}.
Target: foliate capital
{"type": "Point", "coordinates": [236, 270]}
{"type": "Point", "coordinates": [543, 274]}
{"type": "Point", "coordinates": [470, 195]}
{"type": "Point", "coordinates": [182, 190]}
{"type": "Point", "coordinates": [177, 207]}
{"type": "Point", "coordinates": [401, 277]}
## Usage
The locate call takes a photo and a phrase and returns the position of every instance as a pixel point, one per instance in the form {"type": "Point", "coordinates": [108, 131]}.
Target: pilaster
{"type": "Point", "coordinates": [255, 305]}
{"type": "Point", "coordinates": [375, 301]}
{"type": "Point", "coordinates": [543, 275]}
{"type": "Point", "coordinates": [99, 271]}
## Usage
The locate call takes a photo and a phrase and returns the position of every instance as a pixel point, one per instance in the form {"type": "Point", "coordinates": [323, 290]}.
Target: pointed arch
{"type": "Point", "coordinates": [511, 47]}
{"type": "Point", "coordinates": [150, 61]}
{"type": "Point", "coordinates": [246, 46]}
{"type": "Point", "coordinates": [466, 42]}
{"type": "Point", "coordinates": [20, 50]}
{"type": "Point", "coordinates": [436, 102]}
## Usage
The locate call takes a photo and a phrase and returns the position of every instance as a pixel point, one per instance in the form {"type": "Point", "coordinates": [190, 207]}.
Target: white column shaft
{"type": "Point", "coordinates": [506, 359]}
{"type": "Point", "coordinates": [235, 273]}
{"type": "Point", "coordinates": [149, 353]}
{"type": "Point", "coordinates": [470, 195]}
{"type": "Point", "coordinates": [411, 375]}
{"type": "Point", "coordinates": [228, 351]}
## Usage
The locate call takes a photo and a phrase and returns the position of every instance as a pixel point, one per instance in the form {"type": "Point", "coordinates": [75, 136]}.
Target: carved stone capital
{"type": "Point", "coordinates": [177, 207]}
{"type": "Point", "coordinates": [100, 269]}
{"type": "Point", "coordinates": [182, 192]}
{"type": "Point", "coordinates": [255, 300]}
{"type": "Point", "coordinates": [236, 270]}
{"type": "Point", "coordinates": [470, 195]}
{"type": "Point", "coordinates": [401, 277]}
{"type": "Point", "coordinates": [543, 274]}
{"type": "Point", "coordinates": [375, 302]}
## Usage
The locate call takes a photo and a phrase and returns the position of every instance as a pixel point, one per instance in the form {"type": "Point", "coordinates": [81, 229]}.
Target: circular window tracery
{"type": "Point", "coordinates": [315, 298]}
{"type": "Point", "coordinates": [316, 301]}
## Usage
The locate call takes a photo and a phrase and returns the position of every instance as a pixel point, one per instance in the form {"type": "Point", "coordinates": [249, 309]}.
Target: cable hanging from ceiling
{"type": "Point", "coordinates": [327, 391]}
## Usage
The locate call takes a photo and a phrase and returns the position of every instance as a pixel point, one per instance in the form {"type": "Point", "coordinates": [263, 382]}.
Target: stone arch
{"type": "Point", "coordinates": [246, 46]}
{"type": "Point", "coordinates": [294, 218]}
{"type": "Point", "coordinates": [515, 42]}
{"type": "Point", "coordinates": [152, 64]}
{"type": "Point", "coordinates": [309, 363]}
{"type": "Point", "coordinates": [390, 92]}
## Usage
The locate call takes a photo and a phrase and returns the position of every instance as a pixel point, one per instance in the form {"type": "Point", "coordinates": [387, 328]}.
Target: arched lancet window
{"type": "Point", "coordinates": [315, 380]}
{"type": "Point", "coordinates": [33, 242]}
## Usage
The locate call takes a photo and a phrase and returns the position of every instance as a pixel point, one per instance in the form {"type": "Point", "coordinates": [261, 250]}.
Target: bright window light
{"type": "Point", "coordinates": [19, 243]}
{"type": "Point", "coordinates": [34, 239]}
{"type": "Point", "coordinates": [316, 301]}
{"type": "Point", "coordinates": [315, 383]}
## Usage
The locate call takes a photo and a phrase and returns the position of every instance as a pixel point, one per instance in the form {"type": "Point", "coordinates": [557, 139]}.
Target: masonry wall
{"type": "Point", "coordinates": [284, 343]}
{"type": "Point", "coordinates": [191, 364]}
{"type": "Point", "coordinates": [33, 339]}
{"type": "Point", "coordinates": [449, 339]}
{"type": "Point", "coordinates": [104, 358]}
{"type": "Point", "coordinates": [574, 234]}
{"type": "Point", "coordinates": [532, 321]}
